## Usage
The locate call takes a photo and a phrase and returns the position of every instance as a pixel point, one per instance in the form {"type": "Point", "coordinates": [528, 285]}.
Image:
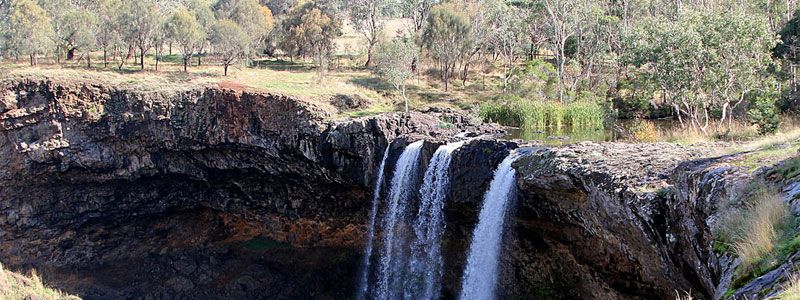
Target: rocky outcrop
{"type": "Point", "coordinates": [102, 180]}
{"type": "Point", "coordinates": [599, 221]}
{"type": "Point", "coordinates": [219, 193]}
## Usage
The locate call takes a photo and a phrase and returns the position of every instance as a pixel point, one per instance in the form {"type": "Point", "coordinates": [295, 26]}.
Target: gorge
{"type": "Point", "coordinates": [219, 192]}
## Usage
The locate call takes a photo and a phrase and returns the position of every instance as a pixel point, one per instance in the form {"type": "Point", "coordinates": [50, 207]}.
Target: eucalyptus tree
{"type": "Point", "coordinates": [369, 18]}
{"type": "Point", "coordinates": [311, 28]}
{"type": "Point", "coordinates": [509, 37]}
{"type": "Point", "coordinates": [254, 19]}
{"type": "Point", "coordinates": [205, 16]}
{"type": "Point", "coordinates": [107, 34]}
{"type": "Point", "coordinates": [393, 63]}
{"type": "Point", "coordinates": [564, 19]}
{"type": "Point", "coordinates": [29, 29]}
{"type": "Point", "coordinates": [139, 20]}
{"type": "Point", "coordinates": [230, 42]}
{"type": "Point", "coordinates": [79, 28]}
{"type": "Point", "coordinates": [445, 37]}
{"type": "Point", "coordinates": [703, 61]}
{"type": "Point", "coordinates": [184, 29]}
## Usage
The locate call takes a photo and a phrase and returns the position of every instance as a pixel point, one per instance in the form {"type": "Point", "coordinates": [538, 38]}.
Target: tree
{"type": "Point", "coordinates": [508, 37]}
{"type": "Point", "coordinates": [107, 30]}
{"type": "Point", "coordinates": [280, 7]}
{"type": "Point", "coordinates": [159, 39]}
{"type": "Point", "coordinates": [184, 29]}
{"type": "Point", "coordinates": [703, 61]}
{"type": "Point", "coordinates": [254, 19]}
{"type": "Point", "coordinates": [367, 17]}
{"type": "Point", "coordinates": [139, 20]}
{"type": "Point", "coordinates": [564, 17]}
{"type": "Point", "coordinates": [230, 41]}
{"type": "Point", "coordinates": [394, 60]}
{"type": "Point", "coordinates": [312, 28]}
{"type": "Point", "coordinates": [445, 38]}
{"type": "Point", "coordinates": [29, 30]}
{"type": "Point", "coordinates": [79, 27]}
{"type": "Point", "coordinates": [205, 16]}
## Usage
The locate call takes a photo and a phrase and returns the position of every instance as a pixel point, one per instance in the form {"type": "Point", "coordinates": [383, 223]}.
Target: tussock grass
{"type": "Point", "coordinates": [758, 229]}
{"type": "Point", "coordinates": [539, 115]}
{"type": "Point", "coordinates": [14, 286]}
{"type": "Point", "coordinates": [765, 218]}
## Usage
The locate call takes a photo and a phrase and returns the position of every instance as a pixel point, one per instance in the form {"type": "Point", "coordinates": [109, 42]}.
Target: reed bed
{"type": "Point", "coordinates": [540, 115]}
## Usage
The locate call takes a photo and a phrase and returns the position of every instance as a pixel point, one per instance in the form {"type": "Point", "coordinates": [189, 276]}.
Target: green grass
{"type": "Point", "coordinates": [540, 115]}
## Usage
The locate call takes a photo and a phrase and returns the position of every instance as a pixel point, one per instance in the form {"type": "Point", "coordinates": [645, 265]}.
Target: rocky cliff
{"type": "Point", "coordinates": [207, 192]}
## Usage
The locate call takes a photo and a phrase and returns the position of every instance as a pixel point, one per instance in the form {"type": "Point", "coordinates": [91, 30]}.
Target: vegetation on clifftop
{"type": "Point", "coordinates": [715, 67]}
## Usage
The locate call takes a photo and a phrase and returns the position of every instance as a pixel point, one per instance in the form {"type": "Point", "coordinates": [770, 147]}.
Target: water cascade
{"type": "Point", "coordinates": [394, 240]}
{"type": "Point", "coordinates": [425, 265]}
{"type": "Point", "coordinates": [480, 274]}
{"type": "Point", "coordinates": [364, 280]}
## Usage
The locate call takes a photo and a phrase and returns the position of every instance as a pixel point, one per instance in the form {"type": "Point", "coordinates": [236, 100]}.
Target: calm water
{"type": "Point", "coordinates": [555, 136]}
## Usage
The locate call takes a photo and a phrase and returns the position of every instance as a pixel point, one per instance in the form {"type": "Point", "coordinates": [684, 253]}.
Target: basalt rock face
{"type": "Point", "coordinates": [597, 221]}
{"type": "Point", "coordinates": [199, 193]}
{"type": "Point", "coordinates": [212, 193]}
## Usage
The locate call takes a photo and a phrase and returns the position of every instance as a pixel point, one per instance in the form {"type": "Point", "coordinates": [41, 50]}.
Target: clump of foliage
{"type": "Point", "coordinates": [764, 113]}
{"type": "Point", "coordinates": [540, 115]}
{"type": "Point", "coordinates": [394, 63]}
{"type": "Point", "coordinates": [534, 79]}
{"type": "Point", "coordinates": [644, 131]}
{"type": "Point", "coordinates": [27, 30]}
{"type": "Point", "coordinates": [704, 61]}
{"type": "Point", "coordinates": [445, 38]}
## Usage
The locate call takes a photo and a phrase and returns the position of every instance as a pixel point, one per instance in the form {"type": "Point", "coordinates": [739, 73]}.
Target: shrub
{"type": "Point", "coordinates": [764, 113]}
{"type": "Point", "coordinates": [539, 115]}
{"type": "Point", "coordinates": [644, 131]}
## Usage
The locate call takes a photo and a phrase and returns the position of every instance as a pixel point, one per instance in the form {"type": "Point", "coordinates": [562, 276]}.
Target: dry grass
{"type": "Point", "coordinates": [791, 289]}
{"type": "Point", "coordinates": [14, 286]}
{"type": "Point", "coordinates": [752, 228]}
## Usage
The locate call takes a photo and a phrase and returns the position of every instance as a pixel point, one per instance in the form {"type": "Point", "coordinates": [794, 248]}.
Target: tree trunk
{"type": "Point", "coordinates": [141, 54]}
{"type": "Point", "coordinates": [89, 60]}
{"type": "Point", "coordinates": [186, 63]}
{"type": "Point", "coordinates": [226, 69]}
{"type": "Point", "coordinates": [198, 60]}
{"type": "Point", "coordinates": [33, 59]}
{"type": "Point", "coordinates": [105, 58]}
{"type": "Point", "coordinates": [369, 55]}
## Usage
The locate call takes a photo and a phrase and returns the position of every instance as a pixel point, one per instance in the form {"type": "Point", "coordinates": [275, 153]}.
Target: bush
{"type": "Point", "coordinates": [540, 115]}
{"type": "Point", "coordinates": [644, 131]}
{"type": "Point", "coordinates": [764, 113]}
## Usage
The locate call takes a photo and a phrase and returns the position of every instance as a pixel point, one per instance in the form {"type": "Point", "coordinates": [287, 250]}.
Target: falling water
{"type": "Point", "coordinates": [362, 284]}
{"type": "Point", "coordinates": [402, 189]}
{"type": "Point", "coordinates": [480, 274]}
{"type": "Point", "coordinates": [425, 265]}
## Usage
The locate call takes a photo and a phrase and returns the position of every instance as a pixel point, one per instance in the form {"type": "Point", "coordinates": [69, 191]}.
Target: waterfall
{"type": "Point", "coordinates": [362, 284]}
{"type": "Point", "coordinates": [425, 265]}
{"type": "Point", "coordinates": [480, 274]}
{"type": "Point", "coordinates": [402, 189]}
